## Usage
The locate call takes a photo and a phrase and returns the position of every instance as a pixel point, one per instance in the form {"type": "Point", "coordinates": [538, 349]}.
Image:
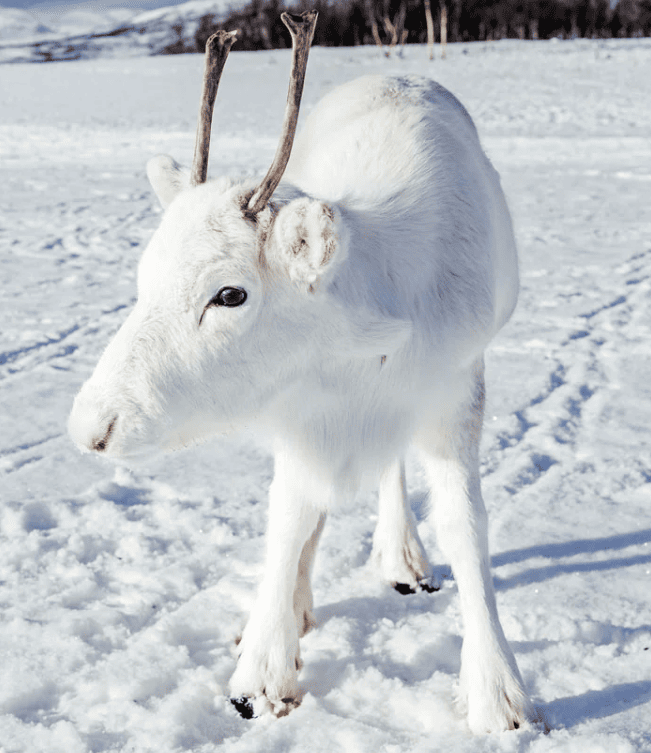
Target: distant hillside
{"type": "Point", "coordinates": [184, 28]}
{"type": "Point", "coordinates": [86, 34]}
{"type": "Point", "coordinates": [16, 24]}
{"type": "Point", "coordinates": [24, 26]}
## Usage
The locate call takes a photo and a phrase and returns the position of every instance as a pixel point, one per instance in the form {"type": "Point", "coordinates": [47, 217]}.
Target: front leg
{"type": "Point", "coordinates": [266, 675]}
{"type": "Point", "coordinates": [303, 591]}
{"type": "Point", "coordinates": [491, 688]}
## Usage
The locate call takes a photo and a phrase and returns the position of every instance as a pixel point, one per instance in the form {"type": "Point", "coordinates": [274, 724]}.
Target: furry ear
{"type": "Point", "coordinates": [309, 239]}
{"type": "Point", "coordinates": [167, 178]}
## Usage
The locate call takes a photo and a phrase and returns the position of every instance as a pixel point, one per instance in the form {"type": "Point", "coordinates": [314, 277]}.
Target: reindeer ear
{"type": "Point", "coordinates": [167, 178]}
{"type": "Point", "coordinates": [309, 240]}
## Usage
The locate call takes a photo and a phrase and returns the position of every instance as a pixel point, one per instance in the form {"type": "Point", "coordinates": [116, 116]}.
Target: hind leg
{"type": "Point", "coordinates": [490, 683]}
{"type": "Point", "coordinates": [397, 549]}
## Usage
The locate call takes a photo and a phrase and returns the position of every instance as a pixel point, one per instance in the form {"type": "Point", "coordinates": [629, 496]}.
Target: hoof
{"type": "Point", "coordinates": [425, 584]}
{"type": "Point", "coordinates": [247, 710]}
{"type": "Point", "coordinates": [243, 707]}
{"type": "Point", "coordinates": [404, 588]}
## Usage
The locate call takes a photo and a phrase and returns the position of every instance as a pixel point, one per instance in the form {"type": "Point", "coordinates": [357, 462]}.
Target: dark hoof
{"type": "Point", "coordinates": [425, 585]}
{"type": "Point", "coordinates": [404, 589]}
{"type": "Point", "coordinates": [243, 707]}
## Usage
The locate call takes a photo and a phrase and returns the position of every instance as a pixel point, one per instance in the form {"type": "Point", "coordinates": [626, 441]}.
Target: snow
{"type": "Point", "coordinates": [122, 591]}
{"type": "Point", "coordinates": [195, 8]}
{"type": "Point", "coordinates": [83, 33]}
{"type": "Point", "coordinates": [38, 23]}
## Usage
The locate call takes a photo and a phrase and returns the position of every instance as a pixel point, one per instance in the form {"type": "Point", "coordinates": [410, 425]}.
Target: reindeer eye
{"type": "Point", "coordinates": [230, 297]}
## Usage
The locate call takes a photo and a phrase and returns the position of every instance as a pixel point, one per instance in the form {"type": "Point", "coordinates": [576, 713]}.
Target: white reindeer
{"type": "Point", "coordinates": [346, 310]}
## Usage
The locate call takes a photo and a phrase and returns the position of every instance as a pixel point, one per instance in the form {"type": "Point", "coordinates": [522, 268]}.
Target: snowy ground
{"type": "Point", "coordinates": [121, 592]}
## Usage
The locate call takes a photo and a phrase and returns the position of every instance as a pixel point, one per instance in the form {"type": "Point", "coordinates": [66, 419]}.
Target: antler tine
{"type": "Point", "coordinates": [302, 30]}
{"type": "Point", "coordinates": [217, 48]}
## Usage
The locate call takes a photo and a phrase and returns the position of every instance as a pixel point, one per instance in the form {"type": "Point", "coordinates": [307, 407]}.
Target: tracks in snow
{"type": "Point", "coordinates": [556, 427]}
{"type": "Point", "coordinates": [69, 249]}
{"type": "Point", "coordinates": [68, 269]}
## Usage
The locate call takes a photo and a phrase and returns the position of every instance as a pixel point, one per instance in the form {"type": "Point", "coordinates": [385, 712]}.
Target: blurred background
{"type": "Point", "coordinates": [42, 31]}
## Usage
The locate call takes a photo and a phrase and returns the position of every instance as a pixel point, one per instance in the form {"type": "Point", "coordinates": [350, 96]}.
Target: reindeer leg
{"type": "Point", "coordinates": [266, 675]}
{"type": "Point", "coordinates": [490, 683]}
{"type": "Point", "coordinates": [397, 549]}
{"type": "Point", "coordinates": [303, 590]}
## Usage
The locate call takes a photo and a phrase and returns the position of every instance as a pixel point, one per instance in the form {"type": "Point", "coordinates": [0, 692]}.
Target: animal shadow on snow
{"type": "Point", "coordinates": [125, 496]}
{"type": "Point", "coordinates": [595, 704]}
{"type": "Point", "coordinates": [366, 611]}
{"type": "Point", "coordinates": [438, 653]}
{"type": "Point", "coordinates": [570, 549]}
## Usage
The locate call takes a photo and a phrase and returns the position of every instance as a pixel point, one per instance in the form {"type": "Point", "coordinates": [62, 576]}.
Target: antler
{"type": "Point", "coordinates": [302, 30]}
{"type": "Point", "coordinates": [217, 48]}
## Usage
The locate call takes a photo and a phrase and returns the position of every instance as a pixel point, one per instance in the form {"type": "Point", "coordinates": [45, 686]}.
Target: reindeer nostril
{"type": "Point", "coordinates": [100, 444]}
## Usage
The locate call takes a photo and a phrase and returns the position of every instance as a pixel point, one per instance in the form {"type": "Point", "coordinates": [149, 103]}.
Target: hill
{"type": "Point", "coordinates": [83, 35]}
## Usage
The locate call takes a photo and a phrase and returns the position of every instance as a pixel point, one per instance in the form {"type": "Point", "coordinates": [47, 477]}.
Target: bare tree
{"type": "Point", "coordinates": [396, 29]}
{"type": "Point", "coordinates": [370, 12]}
{"type": "Point", "coordinates": [430, 29]}
{"type": "Point", "coordinates": [444, 29]}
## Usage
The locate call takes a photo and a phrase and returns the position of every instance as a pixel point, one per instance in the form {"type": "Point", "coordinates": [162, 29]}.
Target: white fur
{"type": "Point", "coordinates": [375, 279]}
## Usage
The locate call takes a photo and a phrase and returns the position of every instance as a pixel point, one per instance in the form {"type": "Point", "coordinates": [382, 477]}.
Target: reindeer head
{"type": "Point", "coordinates": [233, 303]}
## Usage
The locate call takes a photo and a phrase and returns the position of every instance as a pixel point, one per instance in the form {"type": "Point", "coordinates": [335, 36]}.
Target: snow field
{"type": "Point", "coordinates": [122, 592]}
